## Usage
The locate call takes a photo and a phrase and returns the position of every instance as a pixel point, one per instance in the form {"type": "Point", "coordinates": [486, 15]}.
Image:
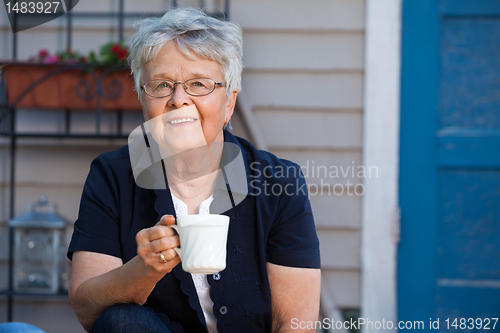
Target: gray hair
{"type": "Point", "coordinates": [193, 30]}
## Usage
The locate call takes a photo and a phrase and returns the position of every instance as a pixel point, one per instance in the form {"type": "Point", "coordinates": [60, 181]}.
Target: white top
{"type": "Point", "coordinates": [200, 280]}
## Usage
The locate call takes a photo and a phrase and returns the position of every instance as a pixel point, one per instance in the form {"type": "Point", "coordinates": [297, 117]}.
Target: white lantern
{"type": "Point", "coordinates": [38, 245]}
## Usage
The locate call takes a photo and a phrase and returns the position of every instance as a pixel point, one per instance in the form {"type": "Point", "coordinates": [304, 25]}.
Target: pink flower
{"type": "Point", "coordinates": [51, 59]}
{"type": "Point", "coordinates": [122, 54]}
{"type": "Point", "coordinates": [43, 53]}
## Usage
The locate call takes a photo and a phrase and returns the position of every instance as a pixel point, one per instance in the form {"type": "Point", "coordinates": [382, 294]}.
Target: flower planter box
{"type": "Point", "coordinates": [74, 87]}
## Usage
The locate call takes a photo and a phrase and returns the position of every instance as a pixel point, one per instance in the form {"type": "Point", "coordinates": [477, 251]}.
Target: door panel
{"type": "Point", "coordinates": [470, 72]}
{"type": "Point", "coordinates": [469, 233]}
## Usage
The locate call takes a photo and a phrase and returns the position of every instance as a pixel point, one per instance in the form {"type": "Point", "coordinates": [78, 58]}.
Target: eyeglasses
{"type": "Point", "coordinates": [195, 87]}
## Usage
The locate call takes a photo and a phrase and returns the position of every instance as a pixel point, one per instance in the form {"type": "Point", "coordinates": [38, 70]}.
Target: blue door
{"type": "Point", "coordinates": [449, 254]}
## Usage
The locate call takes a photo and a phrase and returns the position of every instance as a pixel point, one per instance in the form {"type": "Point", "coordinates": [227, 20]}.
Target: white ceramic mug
{"type": "Point", "coordinates": [203, 241]}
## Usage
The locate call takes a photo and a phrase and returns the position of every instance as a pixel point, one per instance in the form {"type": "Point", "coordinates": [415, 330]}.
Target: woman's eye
{"type": "Point", "coordinates": [163, 85]}
{"type": "Point", "coordinates": [197, 84]}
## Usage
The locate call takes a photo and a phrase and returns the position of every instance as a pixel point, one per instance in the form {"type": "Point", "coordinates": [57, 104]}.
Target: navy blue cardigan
{"type": "Point", "coordinates": [274, 223]}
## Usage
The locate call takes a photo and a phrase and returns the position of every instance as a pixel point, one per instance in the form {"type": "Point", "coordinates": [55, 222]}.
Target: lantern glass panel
{"type": "Point", "coordinates": [37, 260]}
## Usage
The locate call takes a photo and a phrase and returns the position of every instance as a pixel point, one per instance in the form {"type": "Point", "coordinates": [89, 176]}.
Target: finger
{"type": "Point", "coordinates": [163, 244]}
{"type": "Point", "coordinates": [169, 255]}
{"type": "Point", "coordinates": [142, 237]}
{"type": "Point", "coordinates": [166, 220]}
{"type": "Point", "coordinates": [158, 232]}
{"type": "Point", "coordinates": [150, 234]}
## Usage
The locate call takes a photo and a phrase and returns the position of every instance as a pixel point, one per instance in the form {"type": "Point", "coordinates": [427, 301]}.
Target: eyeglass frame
{"type": "Point", "coordinates": [220, 84]}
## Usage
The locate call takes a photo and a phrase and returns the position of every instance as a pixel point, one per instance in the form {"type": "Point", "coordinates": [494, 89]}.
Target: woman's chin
{"type": "Point", "coordinates": [178, 138]}
{"type": "Point", "coordinates": [173, 145]}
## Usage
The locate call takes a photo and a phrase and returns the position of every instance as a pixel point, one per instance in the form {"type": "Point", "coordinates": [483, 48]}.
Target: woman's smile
{"type": "Point", "coordinates": [181, 121]}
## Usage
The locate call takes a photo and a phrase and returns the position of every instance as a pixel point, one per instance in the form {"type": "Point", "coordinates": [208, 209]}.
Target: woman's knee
{"type": "Point", "coordinates": [127, 318]}
{"type": "Point", "coordinates": [117, 318]}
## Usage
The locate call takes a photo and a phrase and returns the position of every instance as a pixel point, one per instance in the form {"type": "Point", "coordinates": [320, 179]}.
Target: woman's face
{"type": "Point", "coordinates": [206, 114]}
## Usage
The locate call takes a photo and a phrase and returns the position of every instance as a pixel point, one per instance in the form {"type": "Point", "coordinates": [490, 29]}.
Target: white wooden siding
{"type": "Point", "coordinates": [340, 212]}
{"type": "Point", "coordinates": [303, 89]}
{"type": "Point", "coordinates": [311, 129]}
{"type": "Point", "coordinates": [299, 14]}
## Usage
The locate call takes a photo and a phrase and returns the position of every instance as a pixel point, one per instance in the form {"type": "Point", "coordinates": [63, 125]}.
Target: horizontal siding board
{"type": "Point", "coordinates": [4, 19]}
{"type": "Point", "coordinates": [336, 211]}
{"type": "Point", "coordinates": [81, 122]}
{"type": "Point", "coordinates": [39, 121]}
{"type": "Point", "coordinates": [303, 50]}
{"type": "Point", "coordinates": [143, 6]}
{"type": "Point", "coordinates": [310, 129]}
{"type": "Point", "coordinates": [239, 125]}
{"type": "Point", "coordinates": [55, 165]}
{"type": "Point", "coordinates": [4, 203]}
{"type": "Point", "coordinates": [299, 14]}
{"type": "Point", "coordinates": [151, 5]}
{"type": "Point", "coordinates": [4, 284]}
{"type": "Point", "coordinates": [306, 90]}
{"type": "Point", "coordinates": [4, 248]}
{"type": "Point", "coordinates": [326, 168]}
{"type": "Point", "coordinates": [343, 287]}
{"type": "Point", "coordinates": [339, 249]}
{"type": "Point", "coordinates": [90, 35]}
{"type": "Point", "coordinates": [87, 36]}
{"type": "Point", "coordinates": [32, 41]}
{"type": "Point", "coordinates": [98, 6]}
{"type": "Point", "coordinates": [67, 199]}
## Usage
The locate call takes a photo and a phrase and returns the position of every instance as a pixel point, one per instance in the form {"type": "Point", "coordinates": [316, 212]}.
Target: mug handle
{"type": "Point", "coordinates": [177, 249]}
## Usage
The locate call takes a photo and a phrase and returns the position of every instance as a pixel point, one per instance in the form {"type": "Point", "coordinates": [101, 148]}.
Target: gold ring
{"type": "Point", "coordinates": [162, 257]}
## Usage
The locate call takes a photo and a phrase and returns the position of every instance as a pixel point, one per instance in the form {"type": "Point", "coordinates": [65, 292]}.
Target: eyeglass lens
{"type": "Point", "coordinates": [195, 87]}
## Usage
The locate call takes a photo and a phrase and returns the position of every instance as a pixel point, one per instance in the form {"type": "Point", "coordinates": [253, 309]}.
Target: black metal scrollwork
{"type": "Point", "coordinates": [112, 91]}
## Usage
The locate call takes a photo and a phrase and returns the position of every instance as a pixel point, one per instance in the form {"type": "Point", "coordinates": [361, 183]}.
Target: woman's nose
{"type": "Point", "coordinates": [179, 97]}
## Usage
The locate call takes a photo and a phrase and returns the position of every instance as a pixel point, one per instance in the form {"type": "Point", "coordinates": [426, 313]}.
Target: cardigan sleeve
{"type": "Point", "coordinates": [97, 227]}
{"type": "Point", "coordinates": [292, 240]}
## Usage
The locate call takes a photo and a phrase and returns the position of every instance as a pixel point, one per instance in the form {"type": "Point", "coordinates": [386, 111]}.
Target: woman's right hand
{"type": "Point", "coordinates": [160, 239]}
{"type": "Point", "coordinates": [99, 281]}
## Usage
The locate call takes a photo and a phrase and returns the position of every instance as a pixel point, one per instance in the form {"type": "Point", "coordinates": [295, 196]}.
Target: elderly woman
{"type": "Point", "coordinates": [126, 275]}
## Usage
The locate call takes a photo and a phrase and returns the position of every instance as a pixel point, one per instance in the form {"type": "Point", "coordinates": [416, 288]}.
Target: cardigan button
{"type": "Point", "coordinates": [216, 276]}
{"type": "Point", "coordinates": [223, 310]}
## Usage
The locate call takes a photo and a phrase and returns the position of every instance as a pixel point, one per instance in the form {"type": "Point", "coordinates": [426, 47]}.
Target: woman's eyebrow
{"type": "Point", "coordinates": [193, 75]}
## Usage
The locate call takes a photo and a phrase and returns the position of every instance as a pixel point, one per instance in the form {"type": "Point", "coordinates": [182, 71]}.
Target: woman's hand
{"type": "Point", "coordinates": [99, 281]}
{"type": "Point", "coordinates": [157, 243]}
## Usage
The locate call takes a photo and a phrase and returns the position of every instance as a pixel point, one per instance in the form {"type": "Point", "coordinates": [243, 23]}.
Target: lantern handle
{"type": "Point", "coordinates": [42, 202]}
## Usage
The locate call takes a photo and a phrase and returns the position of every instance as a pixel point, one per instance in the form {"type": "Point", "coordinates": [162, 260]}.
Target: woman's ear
{"type": "Point", "coordinates": [231, 104]}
